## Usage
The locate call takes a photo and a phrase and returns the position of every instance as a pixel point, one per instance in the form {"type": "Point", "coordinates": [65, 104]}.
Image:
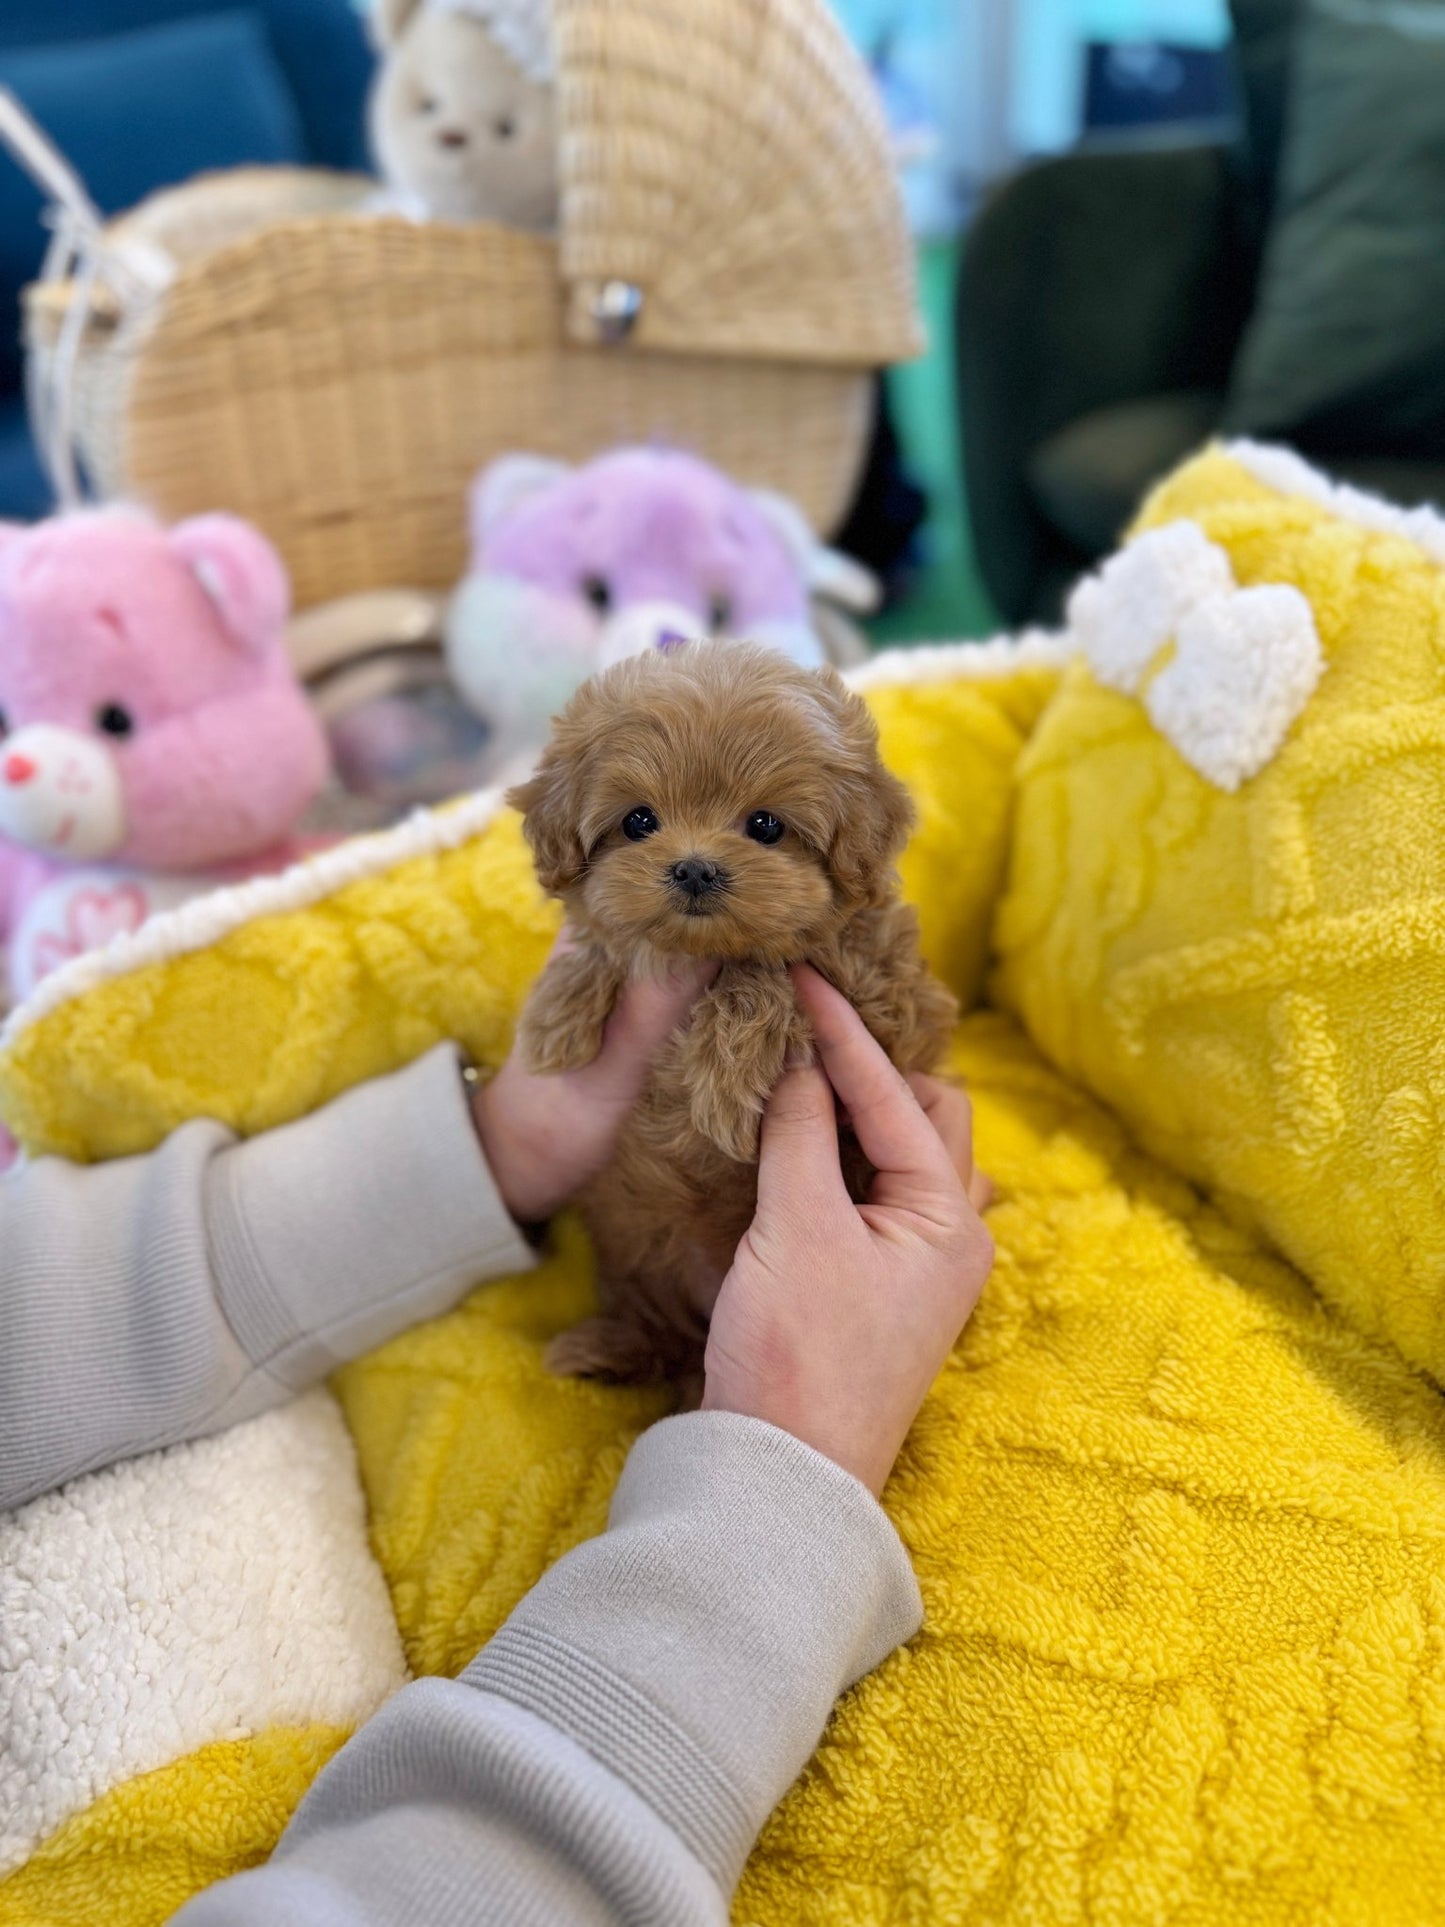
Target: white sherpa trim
{"type": "Point", "coordinates": [206, 919]}
{"type": "Point", "coordinates": [1290, 474]}
{"type": "Point", "coordinates": [195, 1595]}
{"type": "Point", "coordinates": [1244, 662]}
{"type": "Point", "coordinates": [964, 661]}
{"type": "Point", "coordinates": [521, 28]}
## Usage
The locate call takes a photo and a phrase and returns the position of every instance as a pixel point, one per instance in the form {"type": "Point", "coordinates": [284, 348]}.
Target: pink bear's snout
{"type": "Point", "coordinates": [60, 793]}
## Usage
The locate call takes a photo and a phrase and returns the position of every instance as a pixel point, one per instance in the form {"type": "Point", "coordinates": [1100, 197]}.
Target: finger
{"type": "Point", "coordinates": [798, 1159]}
{"type": "Point", "coordinates": [895, 1135]}
{"type": "Point", "coordinates": [949, 1112]}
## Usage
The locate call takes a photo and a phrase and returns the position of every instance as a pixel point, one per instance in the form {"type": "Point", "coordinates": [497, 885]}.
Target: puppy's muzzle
{"type": "Point", "coordinates": [696, 880]}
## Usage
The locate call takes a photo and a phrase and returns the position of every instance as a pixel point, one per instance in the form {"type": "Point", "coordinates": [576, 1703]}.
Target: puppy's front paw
{"type": "Point", "coordinates": [562, 1023]}
{"type": "Point", "coordinates": [548, 1047]}
{"type": "Point", "coordinates": [729, 1118]}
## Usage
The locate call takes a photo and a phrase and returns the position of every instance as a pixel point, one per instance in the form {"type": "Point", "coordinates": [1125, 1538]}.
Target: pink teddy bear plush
{"type": "Point", "coordinates": [153, 738]}
{"type": "Point", "coordinates": [573, 569]}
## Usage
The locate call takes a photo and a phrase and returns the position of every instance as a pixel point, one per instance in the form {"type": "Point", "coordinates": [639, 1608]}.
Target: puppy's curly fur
{"type": "Point", "coordinates": [714, 801]}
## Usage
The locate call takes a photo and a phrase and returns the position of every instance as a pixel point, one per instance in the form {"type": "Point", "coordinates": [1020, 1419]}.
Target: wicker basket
{"type": "Point", "coordinates": [727, 187]}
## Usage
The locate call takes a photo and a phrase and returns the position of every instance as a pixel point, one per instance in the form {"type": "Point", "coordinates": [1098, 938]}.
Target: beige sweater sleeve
{"type": "Point", "coordinates": [609, 1758]}
{"type": "Point", "coordinates": [159, 1298]}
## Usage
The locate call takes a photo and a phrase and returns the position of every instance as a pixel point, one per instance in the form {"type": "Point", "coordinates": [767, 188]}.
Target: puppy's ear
{"type": "Point", "coordinates": [550, 802]}
{"type": "Point", "coordinates": [875, 811]}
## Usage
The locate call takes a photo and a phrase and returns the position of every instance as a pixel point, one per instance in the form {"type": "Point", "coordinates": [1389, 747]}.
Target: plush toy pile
{"type": "Point", "coordinates": [1177, 1503]}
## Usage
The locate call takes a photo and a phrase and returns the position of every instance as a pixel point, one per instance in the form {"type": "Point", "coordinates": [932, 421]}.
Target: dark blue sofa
{"type": "Point", "coordinates": [140, 94]}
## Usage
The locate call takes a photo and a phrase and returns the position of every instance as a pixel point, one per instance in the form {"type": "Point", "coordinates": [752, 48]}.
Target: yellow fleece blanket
{"type": "Point", "coordinates": [1177, 1508]}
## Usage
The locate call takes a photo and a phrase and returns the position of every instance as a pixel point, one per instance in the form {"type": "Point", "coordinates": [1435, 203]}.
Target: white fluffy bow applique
{"type": "Point", "coordinates": [1240, 664]}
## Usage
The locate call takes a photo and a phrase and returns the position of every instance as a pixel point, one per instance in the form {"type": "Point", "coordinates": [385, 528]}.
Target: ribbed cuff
{"type": "Point", "coordinates": [332, 1234]}
{"type": "Point", "coordinates": [697, 1647]}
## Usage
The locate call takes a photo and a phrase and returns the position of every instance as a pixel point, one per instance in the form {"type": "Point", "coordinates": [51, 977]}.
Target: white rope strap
{"type": "Point", "coordinates": [81, 258]}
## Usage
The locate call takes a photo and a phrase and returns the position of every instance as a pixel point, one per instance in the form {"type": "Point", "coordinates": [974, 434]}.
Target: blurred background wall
{"type": "Point", "coordinates": [1138, 222]}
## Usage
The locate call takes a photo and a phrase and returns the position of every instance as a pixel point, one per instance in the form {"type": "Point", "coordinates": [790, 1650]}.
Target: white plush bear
{"type": "Point", "coordinates": [463, 117]}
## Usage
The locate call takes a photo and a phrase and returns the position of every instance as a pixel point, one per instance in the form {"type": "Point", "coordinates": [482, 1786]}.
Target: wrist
{"type": "Point", "coordinates": [850, 1442]}
{"type": "Point", "coordinates": [513, 1164]}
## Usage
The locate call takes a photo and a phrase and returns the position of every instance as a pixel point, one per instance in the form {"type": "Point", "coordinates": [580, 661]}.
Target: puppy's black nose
{"type": "Point", "coordinates": [695, 876]}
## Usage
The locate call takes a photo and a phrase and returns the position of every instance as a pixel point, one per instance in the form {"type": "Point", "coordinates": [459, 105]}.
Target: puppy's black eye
{"type": "Point", "coordinates": [719, 614]}
{"type": "Point", "coordinates": [598, 591]}
{"type": "Point", "coordinates": [114, 720]}
{"type": "Point", "coordinates": [763, 827]}
{"type": "Point", "coordinates": [639, 824]}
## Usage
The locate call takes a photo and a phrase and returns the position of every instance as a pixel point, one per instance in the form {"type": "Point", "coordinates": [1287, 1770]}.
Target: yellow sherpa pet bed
{"type": "Point", "coordinates": [1177, 1504]}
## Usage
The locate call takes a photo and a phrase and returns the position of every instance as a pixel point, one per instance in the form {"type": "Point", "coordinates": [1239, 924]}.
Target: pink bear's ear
{"type": "Point", "coordinates": [242, 574]}
{"type": "Point", "coordinates": [502, 485]}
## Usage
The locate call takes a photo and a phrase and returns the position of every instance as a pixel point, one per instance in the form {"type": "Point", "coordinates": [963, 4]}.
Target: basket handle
{"type": "Point", "coordinates": [80, 256]}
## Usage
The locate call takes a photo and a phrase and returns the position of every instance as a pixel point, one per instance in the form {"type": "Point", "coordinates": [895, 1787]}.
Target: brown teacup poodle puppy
{"type": "Point", "coordinates": [712, 802]}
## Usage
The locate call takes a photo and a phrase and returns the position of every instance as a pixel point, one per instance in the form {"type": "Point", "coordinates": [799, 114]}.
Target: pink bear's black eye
{"type": "Point", "coordinates": [114, 720]}
{"type": "Point", "coordinates": [4, 724]}
{"type": "Point", "coordinates": [719, 614]}
{"type": "Point", "coordinates": [598, 591]}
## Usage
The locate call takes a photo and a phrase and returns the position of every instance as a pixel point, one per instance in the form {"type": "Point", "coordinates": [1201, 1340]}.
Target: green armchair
{"type": "Point", "coordinates": [1100, 302]}
{"type": "Point", "coordinates": [1100, 299]}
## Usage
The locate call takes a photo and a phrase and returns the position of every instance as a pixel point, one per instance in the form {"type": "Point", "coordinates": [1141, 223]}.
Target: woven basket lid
{"type": "Point", "coordinates": [728, 184]}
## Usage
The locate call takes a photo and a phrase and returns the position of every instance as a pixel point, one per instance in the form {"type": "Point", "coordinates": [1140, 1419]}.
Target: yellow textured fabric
{"type": "Point", "coordinates": [138, 1854]}
{"type": "Point", "coordinates": [281, 1015]}
{"type": "Point", "coordinates": [1180, 1533]}
{"type": "Point", "coordinates": [956, 744]}
{"type": "Point", "coordinates": [479, 1468]}
{"type": "Point", "coordinates": [1254, 981]}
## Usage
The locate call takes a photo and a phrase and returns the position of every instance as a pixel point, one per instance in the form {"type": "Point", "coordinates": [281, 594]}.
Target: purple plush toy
{"type": "Point", "coordinates": [155, 740]}
{"type": "Point", "coordinates": [574, 569]}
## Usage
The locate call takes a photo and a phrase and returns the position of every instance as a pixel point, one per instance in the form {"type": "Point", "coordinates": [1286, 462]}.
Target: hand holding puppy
{"type": "Point", "coordinates": [835, 1318]}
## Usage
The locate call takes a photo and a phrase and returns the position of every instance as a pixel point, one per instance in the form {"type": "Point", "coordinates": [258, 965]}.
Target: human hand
{"type": "Point", "coordinates": [836, 1318]}
{"type": "Point", "coordinates": [544, 1137]}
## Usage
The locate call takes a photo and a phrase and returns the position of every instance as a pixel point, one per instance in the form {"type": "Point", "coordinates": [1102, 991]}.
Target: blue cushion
{"type": "Point", "coordinates": [25, 494]}
{"type": "Point", "coordinates": [135, 112]}
{"type": "Point", "coordinates": [321, 45]}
